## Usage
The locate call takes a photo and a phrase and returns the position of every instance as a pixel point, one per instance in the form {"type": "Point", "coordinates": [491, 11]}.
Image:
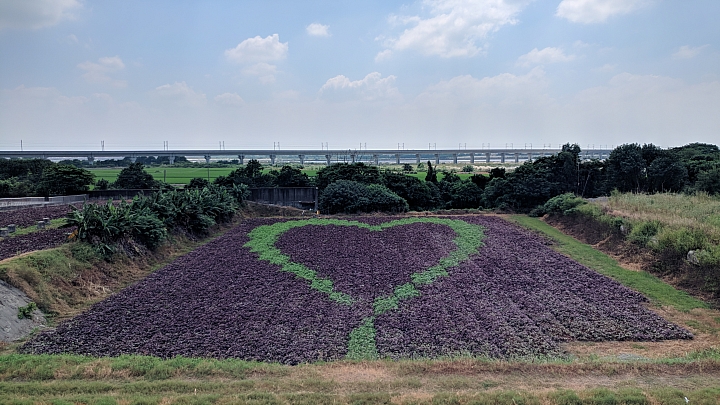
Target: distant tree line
{"type": "Point", "coordinates": [357, 187]}
{"type": "Point", "coordinates": [41, 177]}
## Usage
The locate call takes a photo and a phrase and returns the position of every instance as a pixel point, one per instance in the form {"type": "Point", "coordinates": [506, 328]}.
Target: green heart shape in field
{"type": "Point", "coordinates": [361, 344]}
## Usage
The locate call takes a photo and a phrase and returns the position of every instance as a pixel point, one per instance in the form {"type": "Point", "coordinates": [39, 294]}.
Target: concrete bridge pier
{"type": "Point", "coordinates": [397, 158]}
{"type": "Point", "coordinates": [327, 159]}
{"type": "Point", "coordinates": [302, 159]}
{"type": "Point", "coordinates": [502, 158]}
{"type": "Point", "coordinates": [272, 160]}
{"type": "Point", "coordinates": [487, 157]}
{"type": "Point", "coordinates": [133, 159]}
{"type": "Point", "coordinates": [241, 159]}
{"type": "Point", "coordinates": [207, 159]}
{"type": "Point", "coordinates": [417, 158]}
{"type": "Point", "coordinates": [517, 158]}
{"type": "Point", "coordinates": [455, 158]}
{"type": "Point", "coordinates": [91, 159]}
{"type": "Point", "coordinates": [376, 159]}
{"type": "Point", "coordinates": [437, 158]}
{"type": "Point", "coordinates": [171, 160]}
{"type": "Point", "coordinates": [529, 157]}
{"type": "Point", "coordinates": [352, 157]}
{"type": "Point", "coordinates": [472, 158]}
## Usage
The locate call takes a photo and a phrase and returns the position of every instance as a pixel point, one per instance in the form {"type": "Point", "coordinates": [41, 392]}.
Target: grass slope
{"type": "Point", "coordinates": [137, 379]}
{"type": "Point", "coordinates": [652, 287]}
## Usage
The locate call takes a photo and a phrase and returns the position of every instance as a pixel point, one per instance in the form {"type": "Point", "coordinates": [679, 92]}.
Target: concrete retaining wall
{"type": "Point", "coordinates": [298, 197]}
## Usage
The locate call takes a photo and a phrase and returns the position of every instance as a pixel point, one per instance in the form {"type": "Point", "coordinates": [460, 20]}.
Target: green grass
{"type": "Point", "coordinates": [183, 175]}
{"type": "Point", "coordinates": [61, 379]}
{"type": "Point", "coordinates": [652, 287]}
{"type": "Point", "coordinates": [172, 175]}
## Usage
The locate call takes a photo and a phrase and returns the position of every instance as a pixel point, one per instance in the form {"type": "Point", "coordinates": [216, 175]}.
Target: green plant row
{"type": "Point", "coordinates": [149, 219]}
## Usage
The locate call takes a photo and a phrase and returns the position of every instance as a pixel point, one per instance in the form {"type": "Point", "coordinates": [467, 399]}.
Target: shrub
{"type": "Point", "coordinates": [198, 182]}
{"type": "Point", "coordinates": [563, 204]}
{"type": "Point", "coordinates": [349, 197]}
{"type": "Point", "coordinates": [102, 184]}
{"type": "Point", "coordinates": [643, 232]}
{"type": "Point", "coordinates": [681, 240]}
{"type": "Point", "coordinates": [26, 311]}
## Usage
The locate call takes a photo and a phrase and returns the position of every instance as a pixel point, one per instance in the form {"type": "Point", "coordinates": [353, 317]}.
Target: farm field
{"type": "Point", "coordinates": [183, 175]}
{"type": "Point", "coordinates": [27, 236]}
{"type": "Point", "coordinates": [172, 175]}
{"type": "Point", "coordinates": [305, 290]}
{"type": "Point", "coordinates": [280, 278]}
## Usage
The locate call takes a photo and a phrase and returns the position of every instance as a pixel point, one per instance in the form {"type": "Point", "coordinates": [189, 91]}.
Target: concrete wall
{"type": "Point", "coordinates": [298, 197]}
{"type": "Point", "coordinates": [10, 203]}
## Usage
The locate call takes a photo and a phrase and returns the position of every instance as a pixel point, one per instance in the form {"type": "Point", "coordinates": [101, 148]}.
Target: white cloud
{"type": "Point", "coordinates": [181, 93]}
{"type": "Point", "coordinates": [318, 30]}
{"type": "Point", "coordinates": [597, 11]}
{"type": "Point", "coordinates": [544, 56]}
{"type": "Point", "coordinates": [229, 99]}
{"type": "Point", "coordinates": [504, 88]}
{"type": "Point", "coordinates": [607, 68]}
{"type": "Point", "coordinates": [264, 72]}
{"type": "Point", "coordinates": [35, 14]}
{"type": "Point", "coordinates": [372, 87]}
{"type": "Point", "coordinates": [383, 55]}
{"type": "Point", "coordinates": [255, 53]}
{"type": "Point", "coordinates": [257, 49]}
{"type": "Point", "coordinates": [454, 27]}
{"type": "Point", "coordinates": [688, 52]}
{"type": "Point", "coordinates": [99, 72]}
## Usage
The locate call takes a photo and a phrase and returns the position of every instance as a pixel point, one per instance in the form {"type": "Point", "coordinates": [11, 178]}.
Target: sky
{"type": "Point", "coordinates": [376, 74]}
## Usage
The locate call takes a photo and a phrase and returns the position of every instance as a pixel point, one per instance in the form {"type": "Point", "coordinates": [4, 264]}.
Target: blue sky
{"type": "Point", "coordinates": [250, 74]}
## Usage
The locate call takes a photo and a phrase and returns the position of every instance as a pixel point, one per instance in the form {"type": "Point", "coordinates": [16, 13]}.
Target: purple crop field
{"type": "Point", "coordinates": [39, 240]}
{"type": "Point", "coordinates": [306, 290]}
{"type": "Point", "coordinates": [29, 216]}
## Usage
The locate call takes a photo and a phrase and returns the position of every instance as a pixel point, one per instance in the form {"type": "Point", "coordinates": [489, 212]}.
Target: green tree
{"type": "Point", "coordinates": [292, 177]}
{"type": "Point", "coordinates": [358, 172]}
{"type": "Point", "coordinates": [709, 181]}
{"type": "Point", "coordinates": [626, 168]}
{"type": "Point", "coordinates": [666, 173]}
{"type": "Point", "coordinates": [253, 168]}
{"type": "Point", "coordinates": [431, 175]}
{"type": "Point", "coordinates": [135, 177]}
{"type": "Point", "coordinates": [65, 180]}
{"type": "Point", "coordinates": [420, 195]}
{"type": "Point", "coordinates": [198, 182]}
{"type": "Point", "coordinates": [349, 197]}
{"type": "Point", "coordinates": [465, 194]}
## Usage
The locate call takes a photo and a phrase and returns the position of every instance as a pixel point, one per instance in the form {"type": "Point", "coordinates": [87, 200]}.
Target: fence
{"type": "Point", "coordinates": [298, 197]}
{"type": "Point", "coordinates": [14, 203]}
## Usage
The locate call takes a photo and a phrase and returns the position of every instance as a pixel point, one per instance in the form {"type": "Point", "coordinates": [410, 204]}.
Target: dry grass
{"type": "Point", "coordinates": [699, 211]}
